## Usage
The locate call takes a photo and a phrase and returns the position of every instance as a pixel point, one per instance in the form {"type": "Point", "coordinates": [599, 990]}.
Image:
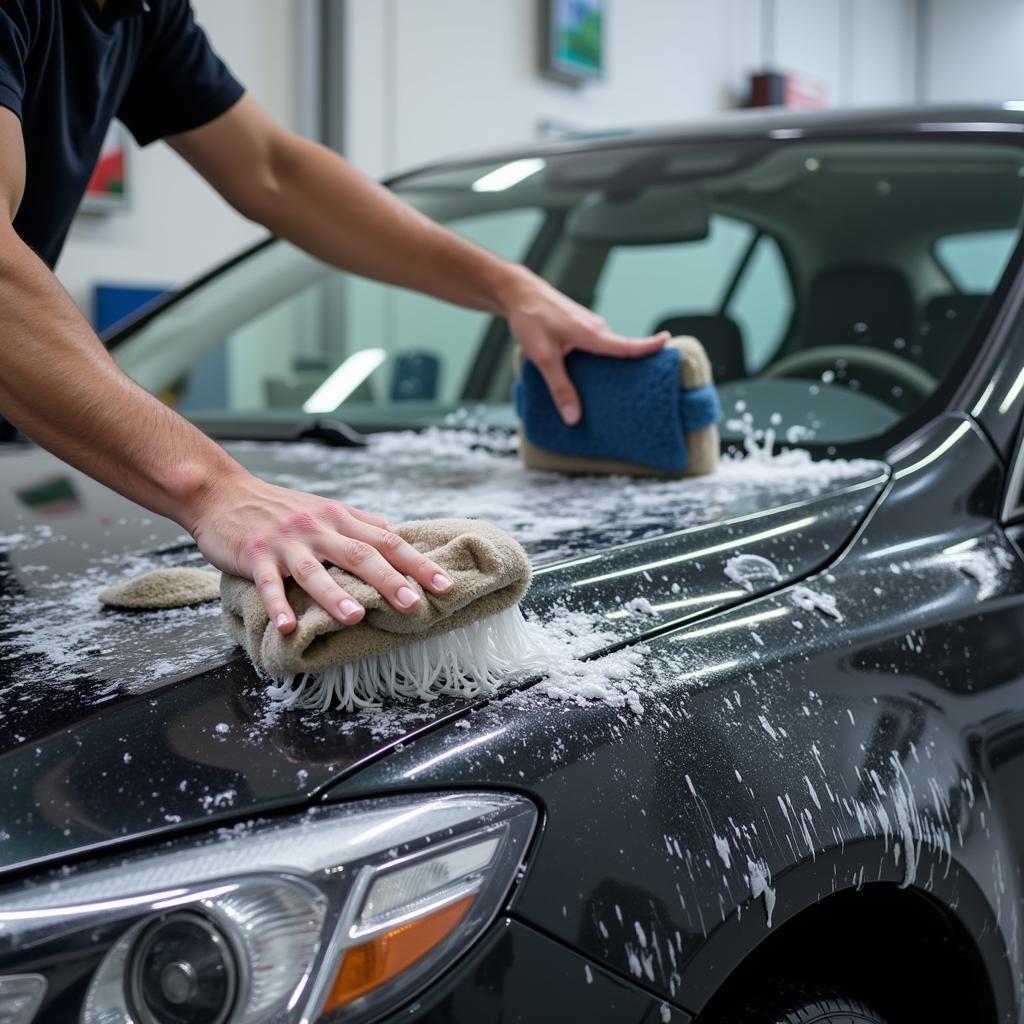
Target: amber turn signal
{"type": "Point", "coordinates": [371, 963]}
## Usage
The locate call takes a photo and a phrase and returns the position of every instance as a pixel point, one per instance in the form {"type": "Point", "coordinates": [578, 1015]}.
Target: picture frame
{"type": "Point", "coordinates": [574, 40]}
{"type": "Point", "coordinates": [108, 188]}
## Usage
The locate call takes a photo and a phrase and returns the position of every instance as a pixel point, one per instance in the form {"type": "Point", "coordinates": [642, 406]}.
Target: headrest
{"type": "Point", "coordinates": [859, 305]}
{"type": "Point", "coordinates": [720, 336]}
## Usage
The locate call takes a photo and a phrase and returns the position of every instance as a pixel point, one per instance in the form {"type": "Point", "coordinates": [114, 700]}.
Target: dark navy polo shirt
{"type": "Point", "coordinates": [67, 70]}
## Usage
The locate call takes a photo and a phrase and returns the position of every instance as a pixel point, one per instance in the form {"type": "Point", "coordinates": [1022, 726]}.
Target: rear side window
{"type": "Point", "coordinates": [643, 285]}
{"type": "Point", "coordinates": [975, 260]}
{"type": "Point", "coordinates": [762, 303]}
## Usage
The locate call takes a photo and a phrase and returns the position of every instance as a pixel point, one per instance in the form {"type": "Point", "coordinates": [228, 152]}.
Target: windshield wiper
{"type": "Point", "coordinates": [331, 432]}
{"type": "Point", "coordinates": [334, 433]}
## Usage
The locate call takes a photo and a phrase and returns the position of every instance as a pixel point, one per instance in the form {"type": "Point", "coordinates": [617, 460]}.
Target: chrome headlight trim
{"type": "Point", "coordinates": [428, 849]}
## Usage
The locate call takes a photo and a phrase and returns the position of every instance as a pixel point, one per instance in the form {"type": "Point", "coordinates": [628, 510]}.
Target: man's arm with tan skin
{"type": "Point", "coordinates": [308, 194]}
{"type": "Point", "coordinates": [60, 387]}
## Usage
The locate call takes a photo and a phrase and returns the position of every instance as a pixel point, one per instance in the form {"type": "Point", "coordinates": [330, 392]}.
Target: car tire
{"type": "Point", "coordinates": [803, 1004]}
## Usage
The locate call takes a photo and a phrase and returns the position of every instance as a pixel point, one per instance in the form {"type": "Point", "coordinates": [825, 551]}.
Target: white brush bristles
{"type": "Point", "coordinates": [466, 662]}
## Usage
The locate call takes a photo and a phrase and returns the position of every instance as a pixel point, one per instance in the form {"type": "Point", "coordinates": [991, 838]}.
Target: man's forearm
{"type": "Point", "coordinates": [327, 207]}
{"type": "Point", "coordinates": [311, 196]}
{"type": "Point", "coordinates": [60, 387]}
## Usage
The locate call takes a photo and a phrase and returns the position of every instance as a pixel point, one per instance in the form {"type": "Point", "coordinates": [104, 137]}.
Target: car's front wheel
{"type": "Point", "coordinates": [802, 1004]}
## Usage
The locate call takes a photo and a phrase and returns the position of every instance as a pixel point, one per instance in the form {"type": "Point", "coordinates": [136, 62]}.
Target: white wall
{"type": "Point", "coordinates": [975, 50]}
{"type": "Point", "coordinates": [430, 79]}
{"type": "Point", "coordinates": [883, 51]}
{"type": "Point", "coordinates": [864, 50]}
{"type": "Point", "coordinates": [176, 226]}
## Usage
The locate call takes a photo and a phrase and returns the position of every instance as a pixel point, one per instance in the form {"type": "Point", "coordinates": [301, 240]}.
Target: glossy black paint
{"type": "Point", "coordinates": [112, 754]}
{"type": "Point", "coordinates": [882, 754]}
{"type": "Point", "coordinates": [827, 755]}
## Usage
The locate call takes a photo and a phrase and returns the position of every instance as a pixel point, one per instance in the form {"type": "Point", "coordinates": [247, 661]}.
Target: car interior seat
{"type": "Point", "coordinates": [945, 327]}
{"type": "Point", "coordinates": [859, 304]}
{"type": "Point", "coordinates": [719, 334]}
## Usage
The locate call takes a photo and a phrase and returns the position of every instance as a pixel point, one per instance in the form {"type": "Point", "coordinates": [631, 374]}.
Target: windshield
{"type": "Point", "coordinates": [833, 284]}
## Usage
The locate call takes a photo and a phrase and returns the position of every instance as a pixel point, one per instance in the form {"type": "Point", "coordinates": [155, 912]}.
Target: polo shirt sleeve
{"type": "Point", "coordinates": [15, 35]}
{"type": "Point", "coordinates": [180, 83]}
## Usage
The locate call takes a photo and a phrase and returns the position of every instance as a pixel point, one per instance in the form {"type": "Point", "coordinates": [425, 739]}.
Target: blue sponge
{"type": "Point", "coordinates": [633, 410]}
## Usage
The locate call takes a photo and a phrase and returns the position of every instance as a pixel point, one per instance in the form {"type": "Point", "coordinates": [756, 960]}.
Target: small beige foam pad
{"type": "Point", "coordinates": [164, 588]}
{"type": "Point", "coordinates": [701, 445]}
{"type": "Point", "coordinates": [491, 573]}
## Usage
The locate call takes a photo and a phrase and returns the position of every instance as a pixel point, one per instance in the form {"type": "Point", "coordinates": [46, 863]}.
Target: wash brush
{"type": "Point", "coordinates": [459, 643]}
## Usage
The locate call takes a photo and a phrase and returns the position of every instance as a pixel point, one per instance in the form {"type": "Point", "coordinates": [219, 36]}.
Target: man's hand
{"type": "Point", "coordinates": [549, 325]}
{"type": "Point", "coordinates": [253, 529]}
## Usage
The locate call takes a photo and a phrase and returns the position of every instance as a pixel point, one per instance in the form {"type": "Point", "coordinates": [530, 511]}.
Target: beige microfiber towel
{"type": "Point", "coordinates": [164, 588]}
{"type": "Point", "coordinates": [454, 643]}
{"type": "Point", "coordinates": [702, 445]}
{"type": "Point", "coordinates": [459, 643]}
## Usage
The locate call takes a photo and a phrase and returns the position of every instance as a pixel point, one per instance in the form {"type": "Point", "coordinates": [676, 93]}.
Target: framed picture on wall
{"type": "Point", "coordinates": [574, 40]}
{"type": "Point", "coordinates": [108, 187]}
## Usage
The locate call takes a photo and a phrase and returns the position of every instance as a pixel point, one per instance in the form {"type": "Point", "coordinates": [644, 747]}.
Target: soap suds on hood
{"type": "Point", "coordinates": [812, 600]}
{"type": "Point", "coordinates": [551, 515]}
{"type": "Point", "coordinates": [751, 570]}
{"type": "Point", "coordinates": [639, 606]}
{"type": "Point", "coordinates": [56, 630]}
{"type": "Point", "coordinates": [981, 567]}
{"type": "Point", "coordinates": [561, 640]}
{"type": "Point", "coordinates": [62, 625]}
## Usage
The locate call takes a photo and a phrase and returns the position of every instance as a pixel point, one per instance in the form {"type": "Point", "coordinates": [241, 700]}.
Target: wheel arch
{"type": "Point", "coordinates": [846, 919]}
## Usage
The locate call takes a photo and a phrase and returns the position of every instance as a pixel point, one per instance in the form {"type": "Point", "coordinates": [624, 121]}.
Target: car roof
{"type": "Point", "coordinates": [1005, 118]}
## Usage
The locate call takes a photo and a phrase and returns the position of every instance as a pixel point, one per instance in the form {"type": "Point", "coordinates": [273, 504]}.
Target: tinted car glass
{"type": "Point", "coordinates": [975, 260]}
{"type": "Point", "coordinates": [641, 285]}
{"type": "Point", "coordinates": [822, 277]}
{"type": "Point", "coordinates": [324, 339]}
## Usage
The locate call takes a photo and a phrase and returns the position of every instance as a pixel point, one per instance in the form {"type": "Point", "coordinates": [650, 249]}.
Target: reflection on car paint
{"type": "Point", "coordinates": [821, 754]}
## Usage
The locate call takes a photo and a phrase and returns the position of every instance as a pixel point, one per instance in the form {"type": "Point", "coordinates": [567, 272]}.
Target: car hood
{"type": "Point", "coordinates": [115, 726]}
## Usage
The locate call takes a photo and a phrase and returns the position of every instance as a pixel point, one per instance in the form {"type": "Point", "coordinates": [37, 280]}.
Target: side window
{"type": "Point", "coordinates": [762, 303]}
{"type": "Point", "coordinates": [975, 260]}
{"type": "Point", "coordinates": [643, 285]}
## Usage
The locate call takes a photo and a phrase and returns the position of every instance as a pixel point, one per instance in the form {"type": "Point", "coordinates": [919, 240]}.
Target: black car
{"type": "Point", "coordinates": [774, 771]}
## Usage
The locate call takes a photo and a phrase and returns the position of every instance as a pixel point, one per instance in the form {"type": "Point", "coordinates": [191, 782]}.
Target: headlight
{"type": "Point", "coordinates": [343, 912]}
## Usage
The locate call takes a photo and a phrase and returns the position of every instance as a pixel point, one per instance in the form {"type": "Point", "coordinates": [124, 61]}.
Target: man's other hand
{"type": "Point", "coordinates": [265, 533]}
{"type": "Point", "coordinates": [549, 325]}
